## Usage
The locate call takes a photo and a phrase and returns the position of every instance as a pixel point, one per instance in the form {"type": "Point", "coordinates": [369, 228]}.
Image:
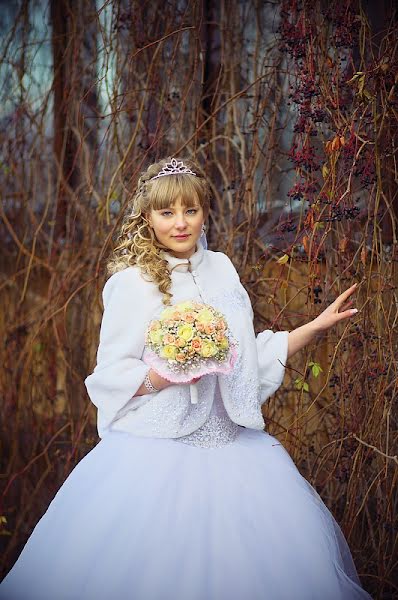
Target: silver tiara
{"type": "Point", "coordinates": [174, 167]}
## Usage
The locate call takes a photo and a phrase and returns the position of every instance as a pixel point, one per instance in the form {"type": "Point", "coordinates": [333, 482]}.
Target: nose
{"type": "Point", "coordinates": [180, 222]}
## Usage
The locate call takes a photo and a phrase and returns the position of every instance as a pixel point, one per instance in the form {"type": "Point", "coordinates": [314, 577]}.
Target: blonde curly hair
{"type": "Point", "coordinates": [136, 243]}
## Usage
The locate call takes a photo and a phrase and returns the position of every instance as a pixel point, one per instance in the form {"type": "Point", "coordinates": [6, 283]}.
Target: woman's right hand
{"type": "Point", "coordinates": [159, 382]}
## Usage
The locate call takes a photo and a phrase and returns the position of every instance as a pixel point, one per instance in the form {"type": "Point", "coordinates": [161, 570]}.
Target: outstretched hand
{"type": "Point", "coordinates": [331, 315]}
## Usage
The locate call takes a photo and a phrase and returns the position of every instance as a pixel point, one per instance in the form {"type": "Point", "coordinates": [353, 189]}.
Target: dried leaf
{"type": "Point", "coordinates": [336, 143]}
{"type": "Point", "coordinates": [283, 259]}
{"type": "Point", "coordinates": [325, 171]}
{"type": "Point", "coordinates": [361, 84]}
{"type": "Point", "coordinates": [3, 521]}
{"type": "Point", "coordinates": [329, 62]}
{"type": "Point", "coordinates": [355, 77]}
{"type": "Point", "coordinates": [309, 220]}
{"type": "Point", "coordinates": [343, 244]}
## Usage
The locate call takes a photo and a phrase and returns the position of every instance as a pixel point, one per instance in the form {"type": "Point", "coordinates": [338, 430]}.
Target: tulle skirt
{"type": "Point", "coordinates": [157, 519]}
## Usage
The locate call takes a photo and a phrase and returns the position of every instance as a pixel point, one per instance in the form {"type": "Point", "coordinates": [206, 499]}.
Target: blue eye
{"type": "Point", "coordinates": [190, 211]}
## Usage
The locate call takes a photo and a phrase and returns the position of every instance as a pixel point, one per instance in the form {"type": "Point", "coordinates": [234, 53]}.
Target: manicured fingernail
{"type": "Point", "coordinates": [354, 310]}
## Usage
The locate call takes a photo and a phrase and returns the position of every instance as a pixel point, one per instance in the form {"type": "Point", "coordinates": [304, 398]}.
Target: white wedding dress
{"type": "Point", "coordinates": [222, 514]}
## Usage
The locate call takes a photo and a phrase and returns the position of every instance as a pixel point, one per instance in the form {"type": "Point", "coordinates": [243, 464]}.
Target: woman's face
{"type": "Point", "coordinates": [178, 227]}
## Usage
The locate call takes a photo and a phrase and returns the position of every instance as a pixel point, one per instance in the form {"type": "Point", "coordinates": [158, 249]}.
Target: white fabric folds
{"type": "Point", "coordinates": [143, 518]}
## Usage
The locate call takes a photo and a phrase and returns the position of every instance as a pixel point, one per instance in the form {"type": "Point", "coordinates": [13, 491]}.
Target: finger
{"type": "Point", "coordinates": [347, 305]}
{"type": "Point", "coordinates": [343, 297]}
{"type": "Point", "coordinates": [347, 313]}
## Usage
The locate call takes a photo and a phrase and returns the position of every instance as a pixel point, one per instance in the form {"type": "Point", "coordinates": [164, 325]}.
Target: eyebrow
{"type": "Point", "coordinates": [171, 207]}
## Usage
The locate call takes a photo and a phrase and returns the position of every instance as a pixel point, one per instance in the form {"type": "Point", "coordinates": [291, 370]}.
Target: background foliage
{"type": "Point", "coordinates": [292, 109]}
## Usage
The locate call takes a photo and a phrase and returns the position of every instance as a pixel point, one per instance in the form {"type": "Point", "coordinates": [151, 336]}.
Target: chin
{"type": "Point", "coordinates": [183, 246]}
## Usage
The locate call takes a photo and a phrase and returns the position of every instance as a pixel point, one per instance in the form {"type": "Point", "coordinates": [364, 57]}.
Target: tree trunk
{"type": "Point", "coordinates": [75, 102]}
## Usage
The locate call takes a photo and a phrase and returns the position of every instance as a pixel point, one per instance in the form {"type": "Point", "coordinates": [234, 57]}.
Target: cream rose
{"type": "Point", "coordinates": [167, 312]}
{"type": "Point", "coordinates": [169, 352]}
{"type": "Point", "coordinates": [185, 332]}
{"type": "Point", "coordinates": [205, 316]}
{"type": "Point", "coordinates": [156, 336]}
{"type": "Point", "coordinates": [186, 306]}
{"type": "Point", "coordinates": [208, 349]}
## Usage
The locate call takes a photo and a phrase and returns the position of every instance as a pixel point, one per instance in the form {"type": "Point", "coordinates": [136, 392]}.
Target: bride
{"type": "Point", "coordinates": [183, 500]}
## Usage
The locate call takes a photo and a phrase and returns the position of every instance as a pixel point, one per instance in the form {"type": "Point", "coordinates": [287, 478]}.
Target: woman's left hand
{"type": "Point", "coordinates": [331, 315]}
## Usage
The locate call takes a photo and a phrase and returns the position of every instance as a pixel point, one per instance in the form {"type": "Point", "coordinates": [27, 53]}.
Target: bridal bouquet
{"type": "Point", "coordinates": [189, 340]}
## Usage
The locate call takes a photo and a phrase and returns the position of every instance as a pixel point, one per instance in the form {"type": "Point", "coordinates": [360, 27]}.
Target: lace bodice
{"type": "Point", "coordinates": [218, 430]}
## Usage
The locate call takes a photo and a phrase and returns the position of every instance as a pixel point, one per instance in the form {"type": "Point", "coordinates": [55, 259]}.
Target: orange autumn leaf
{"type": "Point", "coordinates": [306, 243]}
{"type": "Point", "coordinates": [343, 244]}
{"type": "Point", "coordinates": [309, 220]}
{"type": "Point", "coordinates": [335, 144]}
{"type": "Point", "coordinates": [329, 62]}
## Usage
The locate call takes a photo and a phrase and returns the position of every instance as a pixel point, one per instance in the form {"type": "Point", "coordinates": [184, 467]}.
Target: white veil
{"type": "Point", "coordinates": [203, 240]}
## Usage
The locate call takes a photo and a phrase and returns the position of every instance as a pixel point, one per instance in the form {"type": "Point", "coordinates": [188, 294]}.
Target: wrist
{"type": "Point", "coordinates": [314, 328]}
{"type": "Point", "coordinates": [303, 335]}
{"type": "Point", "coordinates": [157, 381]}
{"type": "Point", "coordinates": [148, 384]}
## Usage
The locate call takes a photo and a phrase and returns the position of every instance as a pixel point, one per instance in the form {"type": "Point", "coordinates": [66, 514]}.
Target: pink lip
{"type": "Point", "coordinates": [181, 237]}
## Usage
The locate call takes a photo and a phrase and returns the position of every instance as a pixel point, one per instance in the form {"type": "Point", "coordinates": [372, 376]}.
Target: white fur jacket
{"type": "Point", "coordinates": [130, 303]}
